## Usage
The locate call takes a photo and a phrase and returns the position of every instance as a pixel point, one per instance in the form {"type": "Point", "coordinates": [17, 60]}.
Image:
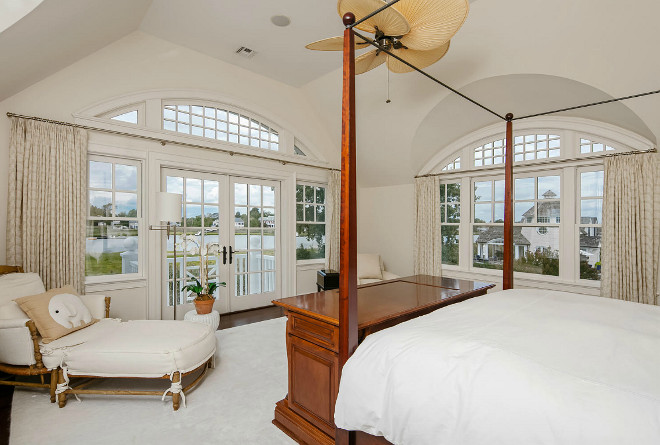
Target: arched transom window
{"type": "Point", "coordinates": [220, 124]}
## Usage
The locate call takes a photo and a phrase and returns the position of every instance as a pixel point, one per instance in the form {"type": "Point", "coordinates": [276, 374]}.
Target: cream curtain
{"type": "Point", "coordinates": [631, 228]}
{"type": "Point", "coordinates": [47, 205]}
{"type": "Point", "coordinates": [428, 245]}
{"type": "Point", "coordinates": [332, 238]}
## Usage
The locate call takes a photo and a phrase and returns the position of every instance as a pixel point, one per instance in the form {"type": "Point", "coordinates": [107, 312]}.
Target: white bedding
{"type": "Point", "coordinates": [514, 367]}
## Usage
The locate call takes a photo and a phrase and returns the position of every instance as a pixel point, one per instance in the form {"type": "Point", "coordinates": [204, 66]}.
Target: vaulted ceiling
{"type": "Point", "coordinates": [514, 55]}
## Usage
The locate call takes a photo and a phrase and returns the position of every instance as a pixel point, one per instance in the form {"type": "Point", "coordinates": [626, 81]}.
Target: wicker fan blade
{"type": "Point", "coordinates": [368, 61]}
{"type": "Point", "coordinates": [432, 22]}
{"type": "Point", "coordinates": [390, 21]}
{"type": "Point", "coordinates": [334, 44]}
{"type": "Point", "coordinates": [421, 59]}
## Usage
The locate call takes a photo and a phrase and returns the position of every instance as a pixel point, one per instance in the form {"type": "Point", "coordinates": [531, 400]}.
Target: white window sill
{"type": "Point", "coordinates": [310, 263]}
{"type": "Point", "coordinates": [114, 282]}
{"type": "Point", "coordinates": [524, 279]}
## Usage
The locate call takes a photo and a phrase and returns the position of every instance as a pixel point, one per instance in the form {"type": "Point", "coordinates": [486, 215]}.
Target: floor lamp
{"type": "Point", "coordinates": [168, 209]}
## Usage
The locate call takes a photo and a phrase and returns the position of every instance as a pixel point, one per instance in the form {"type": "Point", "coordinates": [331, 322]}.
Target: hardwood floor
{"type": "Point", "coordinates": [226, 321]}
{"type": "Point", "coordinates": [6, 394]}
{"type": "Point", "coordinates": [252, 316]}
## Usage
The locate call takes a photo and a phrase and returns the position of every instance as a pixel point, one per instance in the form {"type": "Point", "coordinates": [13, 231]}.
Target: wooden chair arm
{"type": "Point", "coordinates": [35, 342]}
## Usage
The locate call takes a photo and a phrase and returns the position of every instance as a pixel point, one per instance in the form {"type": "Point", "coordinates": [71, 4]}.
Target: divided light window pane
{"type": "Point", "coordinates": [131, 117]}
{"type": "Point", "coordinates": [450, 211]}
{"type": "Point", "coordinates": [590, 223]}
{"type": "Point", "coordinates": [114, 218]}
{"type": "Point", "coordinates": [526, 148]}
{"type": "Point", "coordinates": [310, 222]}
{"type": "Point", "coordinates": [453, 165]}
{"type": "Point", "coordinates": [588, 146]}
{"type": "Point", "coordinates": [537, 207]}
{"type": "Point", "coordinates": [220, 124]}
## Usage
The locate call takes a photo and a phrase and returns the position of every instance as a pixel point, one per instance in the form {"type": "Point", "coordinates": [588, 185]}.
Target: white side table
{"type": "Point", "coordinates": [212, 319]}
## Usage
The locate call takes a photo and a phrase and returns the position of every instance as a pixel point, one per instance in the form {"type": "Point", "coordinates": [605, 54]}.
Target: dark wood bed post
{"type": "Point", "coordinates": [507, 266]}
{"type": "Point", "coordinates": [348, 323]}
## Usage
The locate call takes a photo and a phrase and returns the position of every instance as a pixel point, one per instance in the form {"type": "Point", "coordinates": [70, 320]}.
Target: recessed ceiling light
{"type": "Point", "coordinates": [280, 20]}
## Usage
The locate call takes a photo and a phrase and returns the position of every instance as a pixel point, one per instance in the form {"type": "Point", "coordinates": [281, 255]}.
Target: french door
{"type": "Point", "coordinates": [228, 233]}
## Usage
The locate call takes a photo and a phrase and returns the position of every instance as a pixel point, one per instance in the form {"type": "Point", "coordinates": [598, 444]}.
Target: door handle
{"type": "Point", "coordinates": [224, 254]}
{"type": "Point", "coordinates": [231, 255]}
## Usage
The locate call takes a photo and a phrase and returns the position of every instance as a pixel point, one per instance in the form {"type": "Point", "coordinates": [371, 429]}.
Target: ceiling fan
{"type": "Point", "coordinates": [418, 31]}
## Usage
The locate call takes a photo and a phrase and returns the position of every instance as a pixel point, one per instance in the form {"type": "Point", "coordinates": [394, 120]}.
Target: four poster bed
{"type": "Point", "coordinates": [516, 366]}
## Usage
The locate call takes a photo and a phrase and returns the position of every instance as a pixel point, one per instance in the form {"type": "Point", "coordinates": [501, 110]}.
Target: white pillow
{"type": "Point", "coordinates": [11, 311]}
{"type": "Point", "coordinates": [16, 285]}
{"type": "Point", "coordinates": [368, 266]}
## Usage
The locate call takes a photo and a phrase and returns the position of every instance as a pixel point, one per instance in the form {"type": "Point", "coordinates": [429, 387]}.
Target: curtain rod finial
{"type": "Point", "coordinates": [348, 19]}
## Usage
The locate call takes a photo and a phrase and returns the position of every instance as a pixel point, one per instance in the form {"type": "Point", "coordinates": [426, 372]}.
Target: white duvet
{"type": "Point", "coordinates": [512, 367]}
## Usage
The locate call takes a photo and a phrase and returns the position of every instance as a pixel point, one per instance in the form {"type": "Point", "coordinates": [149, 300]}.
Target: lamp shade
{"type": "Point", "coordinates": [168, 206]}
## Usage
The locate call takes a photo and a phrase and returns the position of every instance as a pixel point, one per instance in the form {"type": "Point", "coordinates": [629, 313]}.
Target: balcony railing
{"type": "Point", "coordinates": [190, 269]}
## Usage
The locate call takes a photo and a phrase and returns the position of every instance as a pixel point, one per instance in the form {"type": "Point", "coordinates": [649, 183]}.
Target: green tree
{"type": "Point", "coordinates": [315, 233]}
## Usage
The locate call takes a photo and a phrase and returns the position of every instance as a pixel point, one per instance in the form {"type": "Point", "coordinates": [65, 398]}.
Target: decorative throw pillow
{"type": "Point", "coordinates": [368, 266]}
{"type": "Point", "coordinates": [57, 312]}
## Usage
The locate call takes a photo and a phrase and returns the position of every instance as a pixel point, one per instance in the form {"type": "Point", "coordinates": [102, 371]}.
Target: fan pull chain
{"type": "Point", "coordinates": [388, 80]}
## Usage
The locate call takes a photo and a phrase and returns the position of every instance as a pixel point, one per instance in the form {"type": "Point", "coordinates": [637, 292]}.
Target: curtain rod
{"type": "Point", "coordinates": [551, 161]}
{"type": "Point", "coordinates": [164, 142]}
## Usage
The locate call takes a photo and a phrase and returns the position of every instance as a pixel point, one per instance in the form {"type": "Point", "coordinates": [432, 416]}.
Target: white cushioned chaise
{"type": "Point", "coordinates": [107, 348]}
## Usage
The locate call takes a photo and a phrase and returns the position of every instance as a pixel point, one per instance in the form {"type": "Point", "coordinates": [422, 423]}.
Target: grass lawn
{"type": "Point", "coordinates": [107, 264]}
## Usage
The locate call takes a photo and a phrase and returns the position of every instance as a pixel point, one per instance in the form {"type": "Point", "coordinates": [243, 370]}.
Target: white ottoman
{"type": "Point", "coordinates": [211, 319]}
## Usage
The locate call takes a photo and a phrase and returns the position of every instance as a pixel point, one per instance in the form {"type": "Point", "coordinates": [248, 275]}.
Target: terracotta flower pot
{"type": "Point", "coordinates": [204, 306]}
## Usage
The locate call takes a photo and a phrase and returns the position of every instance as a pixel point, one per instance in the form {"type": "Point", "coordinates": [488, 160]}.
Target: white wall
{"type": "Point", "coordinates": [140, 62]}
{"type": "Point", "coordinates": [562, 38]}
{"type": "Point", "coordinates": [386, 225]}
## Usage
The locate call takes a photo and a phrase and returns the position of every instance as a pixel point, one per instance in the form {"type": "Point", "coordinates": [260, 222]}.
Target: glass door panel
{"type": "Point", "coordinates": [200, 236]}
{"type": "Point", "coordinates": [256, 243]}
{"type": "Point", "coordinates": [220, 212]}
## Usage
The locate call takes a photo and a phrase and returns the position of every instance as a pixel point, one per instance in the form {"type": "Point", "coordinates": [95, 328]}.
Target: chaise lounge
{"type": "Point", "coordinates": [106, 348]}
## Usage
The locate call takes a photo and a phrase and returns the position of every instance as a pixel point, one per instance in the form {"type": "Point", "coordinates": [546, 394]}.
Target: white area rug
{"type": "Point", "coordinates": [234, 404]}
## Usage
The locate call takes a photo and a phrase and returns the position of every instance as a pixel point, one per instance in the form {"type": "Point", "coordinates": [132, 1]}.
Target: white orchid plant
{"type": "Point", "coordinates": [203, 288]}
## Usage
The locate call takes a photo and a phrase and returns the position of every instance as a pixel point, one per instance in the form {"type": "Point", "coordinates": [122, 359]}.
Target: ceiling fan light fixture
{"type": "Point", "coordinates": [417, 31]}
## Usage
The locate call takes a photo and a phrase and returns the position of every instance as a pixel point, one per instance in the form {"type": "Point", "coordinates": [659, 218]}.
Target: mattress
{"type": "Point", "coordinates": [511, 367]}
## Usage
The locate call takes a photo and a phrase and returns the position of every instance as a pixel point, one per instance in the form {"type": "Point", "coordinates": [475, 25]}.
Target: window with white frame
{"type": "Point", "coordinates": [537, 208]}
{"type": "Point", "coordinates": [450, 218]}
{"type": "Point", "coordinates": [130, 117]}
{"type": "Point", "coordinates": [491, 153]}
{"type": "Point", "coordinates": [453, 165]}
{"type": "Point", "coordinates": [220, 124]}
{"type": "Point", "coordinates": [114, 218]}
{"type": "Point", "coordinates": [557, 207]}
{"type": "Point", "coordinates": [536, 146]}
{"type": "Point", "coordinates": [590, 220]}
{"type": "Point", "coordinates": [589, 146]}
{"type": "Point", "coordinates": [310, 221]}
{"type": "Point", "coordinates": [129, 114]}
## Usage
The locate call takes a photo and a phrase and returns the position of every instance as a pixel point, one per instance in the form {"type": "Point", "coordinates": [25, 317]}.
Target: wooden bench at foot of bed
{"type": "Point", "coordinates": [307, 413]}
